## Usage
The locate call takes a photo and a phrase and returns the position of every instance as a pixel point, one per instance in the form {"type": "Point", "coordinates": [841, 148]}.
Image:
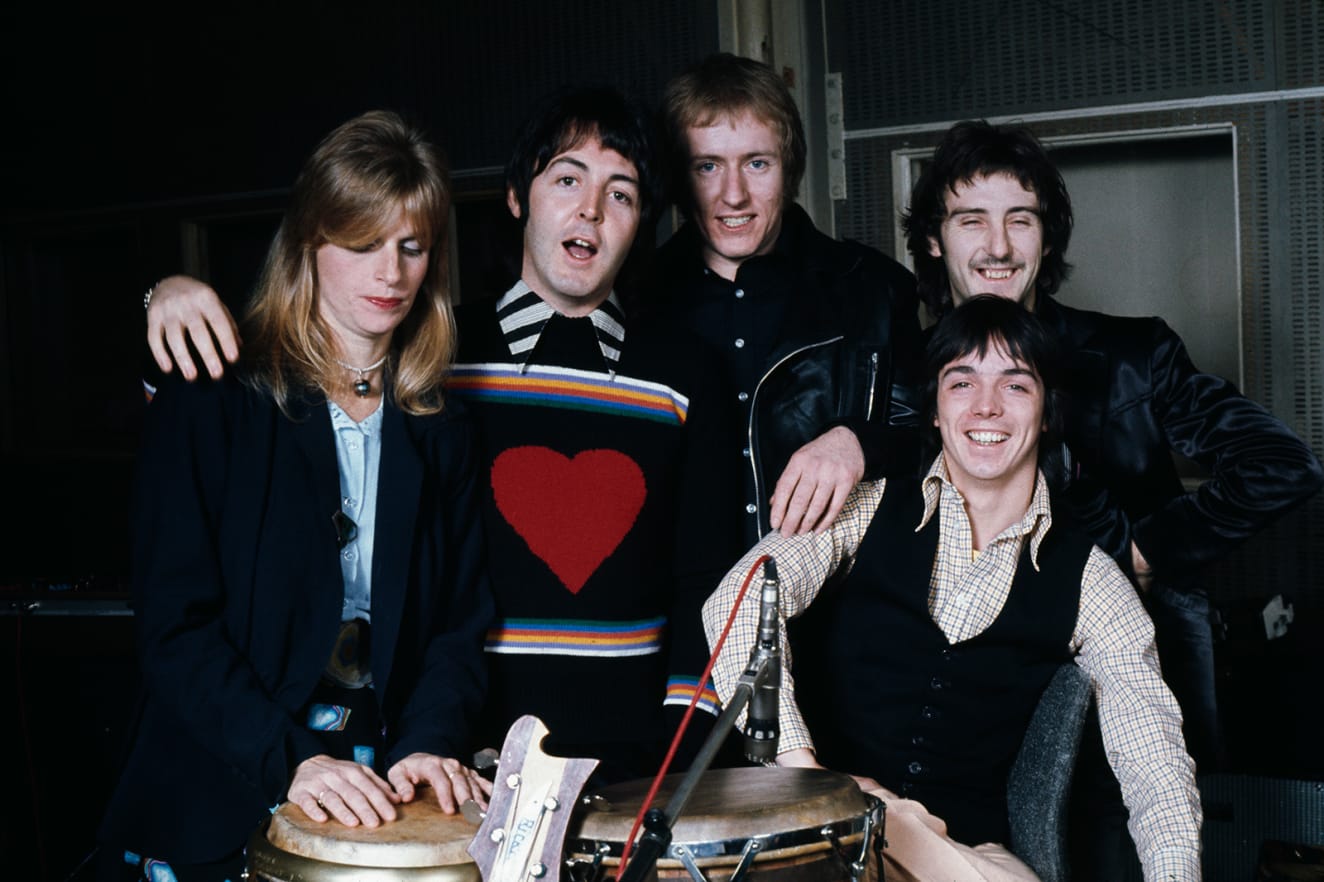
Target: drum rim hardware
{"type": "Point", "coordinates": [837, 836]}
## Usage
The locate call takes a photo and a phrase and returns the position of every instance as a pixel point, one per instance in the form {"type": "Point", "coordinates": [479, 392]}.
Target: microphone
{"type": "Point", "coordinates": [765, 667]}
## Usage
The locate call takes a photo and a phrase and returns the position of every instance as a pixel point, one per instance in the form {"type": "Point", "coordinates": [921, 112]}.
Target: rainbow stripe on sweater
{"type": "Point", "coordinates": [566, 388]}
{"type": "Point", "coordinates": [680, 690]}
{"type": "Point", "coordinates": [576, 637]}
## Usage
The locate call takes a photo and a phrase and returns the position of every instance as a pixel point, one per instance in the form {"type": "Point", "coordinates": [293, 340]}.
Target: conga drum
{"type": "Point", "coordinates": [422, 843]}
{"type": "Point", "coordinates": [776, 825]}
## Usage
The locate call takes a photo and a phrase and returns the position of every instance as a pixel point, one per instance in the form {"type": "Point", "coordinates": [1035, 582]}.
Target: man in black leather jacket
{"type": "Point", "coordinates": [992, 215]}
{"type": "Point", "coordinates": [810, 329]}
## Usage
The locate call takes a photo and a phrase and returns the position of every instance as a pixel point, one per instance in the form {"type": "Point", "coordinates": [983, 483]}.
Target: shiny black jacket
{"type": "Point", "coordinates": [1134, 399]}
{"type": "Point", "coordinates": [847, 358]}
{"type": "Point", "coordinates": [842, 351]}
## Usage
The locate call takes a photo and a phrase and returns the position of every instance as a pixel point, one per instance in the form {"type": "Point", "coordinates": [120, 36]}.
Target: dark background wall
{"type": "Point", "coordinates": [139, 143]}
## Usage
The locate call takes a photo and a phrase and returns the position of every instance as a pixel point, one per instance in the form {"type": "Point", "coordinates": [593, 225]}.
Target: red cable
{"type": "Point", "coordinates": [689, 712]}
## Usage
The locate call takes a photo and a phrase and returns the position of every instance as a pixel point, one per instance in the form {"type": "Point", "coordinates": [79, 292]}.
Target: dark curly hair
{"type": "Point", "coordinates": [974, 149]}
{"type": "Point", "coordinates": [566, 118]}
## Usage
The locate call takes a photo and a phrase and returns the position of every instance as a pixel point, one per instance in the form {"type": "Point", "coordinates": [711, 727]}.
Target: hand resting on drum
{"type": "Point", "coordinates": [354, 794]}
{"type": "Point", "coordinates": [453, 781]}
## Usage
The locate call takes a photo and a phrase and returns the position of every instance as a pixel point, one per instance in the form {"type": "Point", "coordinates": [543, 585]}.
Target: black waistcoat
{"type": "Point", "coordinates": [885, 695]}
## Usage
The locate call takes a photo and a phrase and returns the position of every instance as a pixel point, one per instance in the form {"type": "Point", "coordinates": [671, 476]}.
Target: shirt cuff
{"type": "Point", "coordinates": [1173, 865]}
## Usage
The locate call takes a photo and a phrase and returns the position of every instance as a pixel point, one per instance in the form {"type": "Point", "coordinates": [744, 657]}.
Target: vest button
{"type": "Point", "coordinates": [937, 683]}
{"type": "Point", "coordinates": [917, 740]}
{"type": "Point", "coordinates": [930, 712]}
{"type": "Point", "coordinates": [915, 768]}
{"type": "Point", "coordinates": [948, 655]}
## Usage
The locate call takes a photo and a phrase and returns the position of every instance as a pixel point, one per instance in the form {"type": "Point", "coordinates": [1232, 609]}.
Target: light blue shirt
{"type": "Point", "coordinates": [359, 455]}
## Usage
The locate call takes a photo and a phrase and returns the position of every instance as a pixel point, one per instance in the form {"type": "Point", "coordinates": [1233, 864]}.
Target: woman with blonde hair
{"type": "Point", "coordinates": [308, 579]}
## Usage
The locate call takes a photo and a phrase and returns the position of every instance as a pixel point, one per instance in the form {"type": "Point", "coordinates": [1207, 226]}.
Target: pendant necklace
{"type": "Point", "coordinates": [361, 386]}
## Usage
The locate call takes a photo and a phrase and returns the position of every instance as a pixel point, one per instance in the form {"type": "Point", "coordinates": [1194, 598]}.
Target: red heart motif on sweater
{"type": "Point", "coordinates": [573, 513]}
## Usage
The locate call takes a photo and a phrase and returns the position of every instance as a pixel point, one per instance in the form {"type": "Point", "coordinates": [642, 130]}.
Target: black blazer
{"type": "Point", "coordinates": [1134, 398]}
{"type": "Point", "coordinates": [237, 590]}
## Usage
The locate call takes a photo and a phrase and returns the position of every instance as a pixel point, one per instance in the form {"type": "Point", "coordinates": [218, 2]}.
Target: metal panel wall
{"type": "Point", "coordinates": [913, 60]}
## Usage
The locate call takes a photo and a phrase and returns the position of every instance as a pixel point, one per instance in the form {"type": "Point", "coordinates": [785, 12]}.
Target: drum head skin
{"type": "Point", "coordinates": [422, 838]}
{"type": "Point", "coordinates": [728, 808]}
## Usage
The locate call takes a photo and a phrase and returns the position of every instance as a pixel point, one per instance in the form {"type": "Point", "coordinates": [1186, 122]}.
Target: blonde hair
{"type": "Point", "coordinates": [358, 180]}
{"type": "Point", "coordinates": [726, 85]}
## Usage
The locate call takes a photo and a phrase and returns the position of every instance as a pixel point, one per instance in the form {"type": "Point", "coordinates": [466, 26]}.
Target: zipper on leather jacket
{"type": "Point", "coordinates": [873, 381]}
{"type": "Point", "coordinates": [753, 409]}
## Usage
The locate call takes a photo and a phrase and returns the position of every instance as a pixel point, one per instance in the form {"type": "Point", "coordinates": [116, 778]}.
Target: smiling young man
{"type": "Point", "coordinates": [809, 329]}
{"type": "Point", "coordinates": [606, 509]}
{"type": "Point", "coordinates": [979, 595]}
{"type": "Point", "coordinates": [991, 214]}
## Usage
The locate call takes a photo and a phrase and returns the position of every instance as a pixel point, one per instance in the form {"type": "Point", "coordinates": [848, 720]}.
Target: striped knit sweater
{"type": "Point", "coordinates": [608, 524]}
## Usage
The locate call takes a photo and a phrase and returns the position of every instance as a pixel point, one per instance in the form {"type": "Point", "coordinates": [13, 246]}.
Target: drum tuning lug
{"type": "Point", "coordinates": [472, 813]}
{"type": "Point", "coordinates": [597, 802]}
{"type": "Point", "coordinates": [551, 804]}
{"type": "Point", "coordinates": [498, 835]}
{"type": "Point", "coordinates": [512, 781]}
{"type": "Point", "coordinates": [537, 871]}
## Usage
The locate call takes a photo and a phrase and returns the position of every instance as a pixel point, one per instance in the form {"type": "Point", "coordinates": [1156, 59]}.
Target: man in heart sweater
{"type": "Point", "coordinates": [608, 518]}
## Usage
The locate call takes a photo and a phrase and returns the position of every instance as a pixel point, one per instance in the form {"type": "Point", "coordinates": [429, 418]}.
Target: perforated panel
{"type": "Point", "coordinates": [912, 60]}
{"type": "Point", "coordinates": [1305, 174]}
{"type": "Point", "coordinates": [1299, 26]}
{"type": "Point", "coordinates": [493, 59]}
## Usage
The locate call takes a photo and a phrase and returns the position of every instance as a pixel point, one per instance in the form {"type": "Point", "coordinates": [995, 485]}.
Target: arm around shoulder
{"type": "Point", "coordinates": [181, 310]}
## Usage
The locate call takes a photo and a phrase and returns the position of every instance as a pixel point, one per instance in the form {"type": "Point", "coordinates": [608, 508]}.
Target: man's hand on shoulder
{"type": "Point", "coordinates": [183, 309]}
{"type": "Point", "coordinates": [817, 479]}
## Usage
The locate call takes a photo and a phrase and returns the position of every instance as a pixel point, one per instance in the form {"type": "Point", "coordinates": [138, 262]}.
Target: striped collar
{"type": "Point", "coordinates": [523, 315]}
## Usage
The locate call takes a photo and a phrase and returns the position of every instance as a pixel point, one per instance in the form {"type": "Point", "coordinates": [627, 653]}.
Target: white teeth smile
{"type": "Point", "coordinates": [733, 222]}
{"type": "Point", "coordinates": [987, 437]}
{"type": "Point", "coordinates": [996, 275]}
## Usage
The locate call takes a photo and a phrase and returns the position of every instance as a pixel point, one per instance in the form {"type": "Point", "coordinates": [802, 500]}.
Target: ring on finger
{"type": "Point", "coordinates": [320, 804]}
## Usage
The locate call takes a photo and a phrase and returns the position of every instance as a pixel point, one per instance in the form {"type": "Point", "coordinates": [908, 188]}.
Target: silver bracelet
{"type": "Point", "coordinates": [147, 298]}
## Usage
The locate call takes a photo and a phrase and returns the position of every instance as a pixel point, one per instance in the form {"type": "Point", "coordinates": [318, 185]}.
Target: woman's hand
{"type": "Point", "coordinates": [451, 780]}
{"type": "Point", "coordinates": [351, 793]}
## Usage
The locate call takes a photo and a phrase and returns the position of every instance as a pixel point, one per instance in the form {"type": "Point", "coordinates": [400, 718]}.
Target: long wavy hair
{"type": "Point", "coordinates": [353, 187]}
